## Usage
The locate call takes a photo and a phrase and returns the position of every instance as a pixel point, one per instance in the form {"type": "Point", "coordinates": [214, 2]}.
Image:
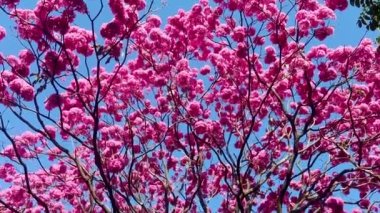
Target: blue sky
{"type": "Point", "coordinates": [346, 31]}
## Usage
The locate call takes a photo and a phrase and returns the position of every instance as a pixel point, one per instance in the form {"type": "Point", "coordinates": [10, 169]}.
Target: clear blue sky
{"type": "Point", "coordinates": [346, 32]}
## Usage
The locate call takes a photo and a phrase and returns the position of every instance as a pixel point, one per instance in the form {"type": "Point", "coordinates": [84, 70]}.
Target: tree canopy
{"type": "Point", "coordinates": [227, 106]}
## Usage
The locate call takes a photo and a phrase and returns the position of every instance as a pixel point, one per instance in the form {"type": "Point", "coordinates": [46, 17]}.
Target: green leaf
{"type": "Point", "coordinates": [359, 23]}
{"type": "Point", "coordinates": [357, 3]}
{"type": "Point", "coordinates": [378, 40]}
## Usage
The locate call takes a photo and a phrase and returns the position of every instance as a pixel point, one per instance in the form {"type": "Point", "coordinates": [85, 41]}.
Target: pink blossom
{"type": "Point", "coordinates": [2, 32]}
{"type": "Point", "coordinates": [357, 211]}
{"type": "Point", "coordinates": [183, 78]}
{"type": "Point", "coordinates": [270, 56]}
{"type": "Point", "coordinates": [337, 4]}
{"type": "Point", "coordinates": [7, 170]}
{"type": "Point", "coordinates": [26, 56]}
{"type": "Point", "coordinates": [53, 101]}
{"type": "Point", "coordinates": [335, 204]}
{"type": "Point", "coordinates": [365, 203]}
{"type": "Point", "coordinates": [54, 63]}
{"type": "Point", "coordinates": [111, 29]}
{"type": "Point", "coordinates": [194, 108]}
{"type": "Point", "coordinates": [154, 20]}
{"type": "Point", "coordinates": [318, 51]}
{"type": "Point", "coordinates": [304, 25]}
{"type": "Point", "coordinates": [116, 163]}
{"type": "Point", "coordinates": [238, 34]}
{"type": "Point", "coordinates": [21, 70]}
{"type": "Point", "coordinates": [58, 168]}
{"type": "Point", "coordinates": [80, 40]}
{"type": "Point", "coordinates": [13, 60]}
{"type": "Point", "coordinates": [325, 13]}
{"type": "Point", "coordinates": [327, 74]}
{"type": "Point", "coordinates": [200, 127]}
{"type": "Point", "coordinates": [259, 40]}
{"type": "Point", "coordinates": [22, 88]}
{"type": "Point", "coordinates": [51, 131]}
{"type": "Point", "coordinates": [205, 70]}
{"type": "Point", "coordinates": [323, 32]}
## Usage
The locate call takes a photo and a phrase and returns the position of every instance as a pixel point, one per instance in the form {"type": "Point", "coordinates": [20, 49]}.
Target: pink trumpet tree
{"type": "Point", "coordinates": [231, 106]}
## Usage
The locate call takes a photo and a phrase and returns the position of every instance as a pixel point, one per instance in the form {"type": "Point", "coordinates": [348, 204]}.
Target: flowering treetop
{"type": "Point", "coordinates": [231, 106]}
